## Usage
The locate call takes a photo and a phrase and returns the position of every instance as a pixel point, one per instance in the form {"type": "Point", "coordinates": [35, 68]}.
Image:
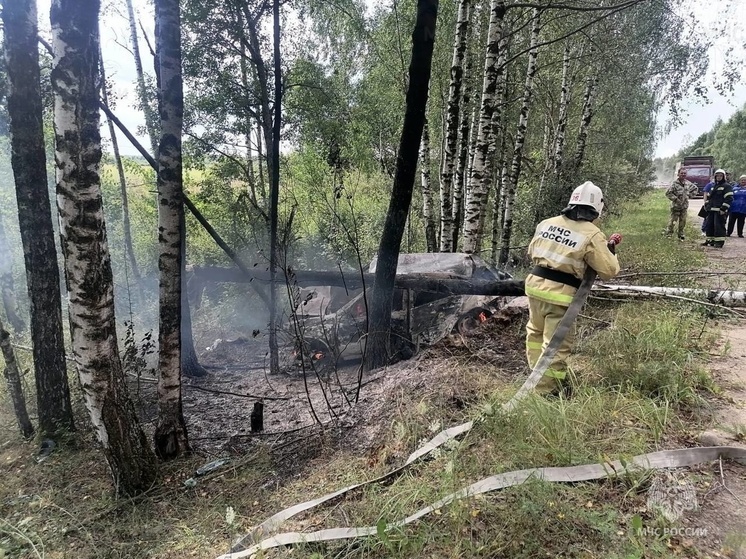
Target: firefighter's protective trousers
{"type": "Point", "coordinates": [544, 319]}
{"type": "Point", "coordinates": [561, 250]}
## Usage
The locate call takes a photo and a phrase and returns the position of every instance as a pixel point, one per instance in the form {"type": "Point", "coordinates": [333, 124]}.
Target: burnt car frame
{"type": "Point", "coordinates": [330, 324]}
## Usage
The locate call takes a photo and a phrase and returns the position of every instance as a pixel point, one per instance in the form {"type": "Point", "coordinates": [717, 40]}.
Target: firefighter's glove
{"type": "Point", "coordinates": [615, 239]}
{"type": "Point", "coordinates": [723, 212]}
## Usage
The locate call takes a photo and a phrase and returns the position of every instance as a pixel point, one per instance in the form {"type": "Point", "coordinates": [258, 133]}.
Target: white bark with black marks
{"type": "Point", "coordinates": [479, 175]}
{"type": "Point", "coordinates": [453, 124]}
{"type": "Point", "coordinates": [520, 139]}
{"type": "Point", "coordinates": [90, 284]}
{"type": "Point", "coordinates": [585, 122]}
{"type": "Point", "coordinates": [428, 200]}
{"type": "Point", "coordinates": [564, 102]}
{"type": "Point", "coordinates": [28, 159]}
{"type": "Point", "coordinates": [461, 178]}
{"type": "Point", "coordinates": [170, 435]}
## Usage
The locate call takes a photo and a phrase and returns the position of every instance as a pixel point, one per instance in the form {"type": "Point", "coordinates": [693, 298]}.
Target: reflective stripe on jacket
{"type": "Point", "coordinates": [567, 246]}
{"type": "Point", "coordinates": [719, 197]}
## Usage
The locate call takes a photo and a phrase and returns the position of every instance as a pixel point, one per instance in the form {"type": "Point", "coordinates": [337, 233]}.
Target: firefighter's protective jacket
{"type": "Point", "coordinates": [569, 247]}
{"type": "Point", "coordinates": [679, 193]}
{"type": "Point", "coordinates": [719, 197]}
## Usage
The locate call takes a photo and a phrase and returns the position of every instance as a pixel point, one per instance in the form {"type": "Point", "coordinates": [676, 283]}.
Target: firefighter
{"type": "Point", "coordinates": [561, 250]}
{"type": "Point", "coordinates": [679, 193]}
{"type": "Point", "coordinates": [717, 203]}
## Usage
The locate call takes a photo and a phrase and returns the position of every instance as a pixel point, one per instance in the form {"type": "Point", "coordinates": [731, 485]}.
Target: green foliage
{"type": "Point", "coordinates": [726, 142]}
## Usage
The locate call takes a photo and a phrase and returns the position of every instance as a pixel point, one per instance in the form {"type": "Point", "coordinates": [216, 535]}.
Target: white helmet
{"type": "Point", "coordinates": [719, 171]}
{"type": "Point", "coordinates": [588, 194]}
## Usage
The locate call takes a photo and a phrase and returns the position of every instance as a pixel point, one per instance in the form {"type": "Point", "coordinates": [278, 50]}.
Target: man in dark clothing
{"type": "Point", "coordinates": [717, 203]}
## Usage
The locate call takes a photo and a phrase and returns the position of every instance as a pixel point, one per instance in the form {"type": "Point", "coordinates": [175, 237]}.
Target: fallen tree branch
{"type": "Point", "coordinates": [726, 299]}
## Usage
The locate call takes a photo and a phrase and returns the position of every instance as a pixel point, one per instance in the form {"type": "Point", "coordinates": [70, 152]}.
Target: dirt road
{"type": "Point", "coordinates": [722, 511]}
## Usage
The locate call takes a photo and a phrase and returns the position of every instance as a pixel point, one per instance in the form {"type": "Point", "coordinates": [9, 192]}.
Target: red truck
{"type": "Point", "coordinates": [699, 170]}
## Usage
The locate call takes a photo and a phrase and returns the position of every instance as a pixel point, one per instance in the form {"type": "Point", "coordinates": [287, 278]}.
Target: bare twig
{"type": "Point", "coordinates": [228, 393]}
{"type": "Point", "coordinates": [722, 480]}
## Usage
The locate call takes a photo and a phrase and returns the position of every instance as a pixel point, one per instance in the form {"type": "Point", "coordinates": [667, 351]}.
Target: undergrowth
{"type": "Point", "coordinates": [638, 373]}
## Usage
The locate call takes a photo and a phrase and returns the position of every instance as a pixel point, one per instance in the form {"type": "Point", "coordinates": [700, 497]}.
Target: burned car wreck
{"type": "Point", "coordinates": [329, 324]}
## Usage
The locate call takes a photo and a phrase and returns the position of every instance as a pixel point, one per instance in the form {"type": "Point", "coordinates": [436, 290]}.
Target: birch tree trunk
{"type": "Point", "coordinates": [74, 77]}
{"type": "Point", "coordinates": [453, 124]}
{"type": "Point", "coordinates": [10, 302]}
{"type": "Point", "coordinates": [585, 123]}
{"type": "Point", "coordinates": [564, 102]}
{"type": "Point", "coordinates": [15, 386]}
{"type": "Point", "coordinates": [151, 122]}
{"type": "Point", "coordinates": [428, 201]}
{"type": "Point", "coordinates": [547, 150]}
{"type": "Point", "coordinates": [423, 39]}
{"type": "Point", "coordinates": [479, 176]}
{"type": "Point", "coordinates": [498, 214]}
{"type": "Point", "coordinates": [520, 139]}
{"type": "Point", "coordinates": [28, 160]}
{"type": "Point", "coordinates": [466, 153]}
{"type": "Point", "coordinates": [171, 438]}
{"type": "Point", "coordinates": [129, 249]}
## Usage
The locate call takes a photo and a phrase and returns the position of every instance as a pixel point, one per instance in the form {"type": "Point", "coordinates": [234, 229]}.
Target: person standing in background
{"type": "Point", "coordinates": [679, 193]}
{"type": "Point", "coordinates": [717, 204]}
{"type": "Point", "coordinates": [737, 212]}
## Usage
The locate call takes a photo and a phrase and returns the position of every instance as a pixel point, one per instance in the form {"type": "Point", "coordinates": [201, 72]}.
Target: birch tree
{"type": "Point", "coordinates": [428, 200]}
{"type": "Point", "coordinates": [171, 438]}
{"type": "Point", "coordinates": [88, 272]}
{"type": "Point", "coordinates": [520, 139]}
{"type": "Point", "coordinates": [28, 160]}
{"type": "Point", "coordinates": [453, 125]}
{"type": "Point", "coordinates": [564, 103]}
{"type": "Point", "coordinates": [479, 174]}
{"type": "Point", "coordinates": [585, 123]}
{"type": "Point", "coordinates": [151, 124]}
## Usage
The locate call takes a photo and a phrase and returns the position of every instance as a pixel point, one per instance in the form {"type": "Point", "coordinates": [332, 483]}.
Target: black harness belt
{"type": "Point", "coordinates": [555, 275]}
